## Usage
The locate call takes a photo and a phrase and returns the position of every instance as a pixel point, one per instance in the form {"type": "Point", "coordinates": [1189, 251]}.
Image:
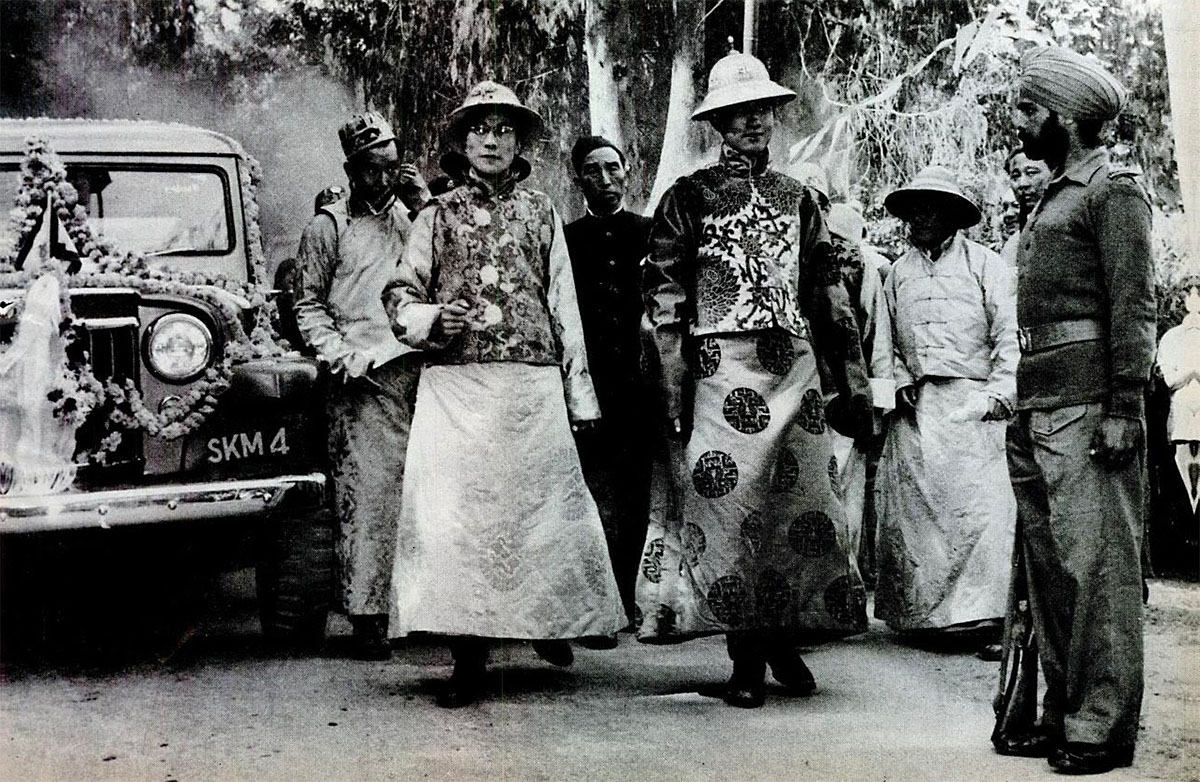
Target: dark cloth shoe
{"type": "Point", "coordinates": [1079, 758]}
{"type": "Point", "coordinates": [600, 642]}
{"type": "Point", "coordinates": [370, 637]}
{"type": "Point", "coordinates": [464, 688]}
{"type": "Point", "coordinates": [990, 653]}
{"type": "Point", "coordinates": [466, 684]}
{"type": "Point", "coordinates": [1034, 744]}
{"type": "Point", "coordinates": [555, 652]}
{"type": "Point", "coordinates": [788, 669]}
{"type": "Point", "coordinates": [746, 689]}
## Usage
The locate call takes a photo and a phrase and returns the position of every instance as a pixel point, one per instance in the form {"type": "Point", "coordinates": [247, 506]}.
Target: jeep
{"type": "Point", "coordinates": [185, 405]}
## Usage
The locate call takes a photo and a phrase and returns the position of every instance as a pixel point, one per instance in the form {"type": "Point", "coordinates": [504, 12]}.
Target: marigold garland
{"type": "Point", "coordinates": [79, 392]}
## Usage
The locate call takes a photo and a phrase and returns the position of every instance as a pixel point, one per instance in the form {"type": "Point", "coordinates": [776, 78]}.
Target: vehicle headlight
{"type": "Point", "coordinates": [178, 347]}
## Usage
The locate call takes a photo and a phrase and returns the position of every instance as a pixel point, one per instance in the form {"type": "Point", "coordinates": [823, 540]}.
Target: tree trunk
{"type": "Point", "coordinates": [683, 142]}
{"type": "Point", "coordinates": [603, 105]}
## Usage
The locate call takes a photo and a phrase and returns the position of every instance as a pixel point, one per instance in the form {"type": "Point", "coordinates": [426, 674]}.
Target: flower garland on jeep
{"type": "Point", "coordinates": [79, 392]}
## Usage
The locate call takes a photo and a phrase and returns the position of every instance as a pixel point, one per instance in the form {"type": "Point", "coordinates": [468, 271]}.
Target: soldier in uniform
{"type": "Point", "coordinates": [1086, 312]}
{"type": "Point", "coordinates": [347, 254]}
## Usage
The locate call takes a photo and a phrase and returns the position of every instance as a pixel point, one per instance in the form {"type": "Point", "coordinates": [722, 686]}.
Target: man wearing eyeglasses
{"type": "Point", "coordinates": [347, 253]}
{"type": "Point", "coordinates": [503, 539]}
{"type": "Point", "coordinates": [607, 246]}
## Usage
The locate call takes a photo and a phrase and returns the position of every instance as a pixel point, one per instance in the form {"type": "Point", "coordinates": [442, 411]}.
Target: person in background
{"type": "Point", "coordinates": [1077, 450]}
{"type": "Point", "coordinates": [946, 509]}
{"type": "Point", "coordinates": [743, 293]}
{"type": "Point", "coordinates": [501, 538]}
{"type": "Point", "coordinates": [865, 287]}
{"type": "Point", "coordinates": [607, 246]}
{"type": "Point", "coordinates": [859, 467]}
{"type": "Point", "coordinates": [347, 254]}
{"type": "Point", "coordinates": [287, 278]}
{"type": "Point", "coordinates": [1029, 178]}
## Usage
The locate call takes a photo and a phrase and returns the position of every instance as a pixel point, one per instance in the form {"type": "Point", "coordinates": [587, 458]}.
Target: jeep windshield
{"type": "Point", "coordinates": [160, 212]}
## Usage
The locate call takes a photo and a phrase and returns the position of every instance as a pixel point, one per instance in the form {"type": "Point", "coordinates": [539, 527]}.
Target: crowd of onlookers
{"type": "Point", "coordinates": [736, 416]}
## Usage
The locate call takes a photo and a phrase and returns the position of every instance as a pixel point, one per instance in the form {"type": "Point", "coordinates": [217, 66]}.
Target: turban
{"type": "Point", "coordinates": [1070, 84]}
{"type": "Point", "coordinates": [589, 144]}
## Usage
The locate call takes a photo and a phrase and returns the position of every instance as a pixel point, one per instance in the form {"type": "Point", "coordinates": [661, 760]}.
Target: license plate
{"type": "Point", "coordinates": [254, 444]}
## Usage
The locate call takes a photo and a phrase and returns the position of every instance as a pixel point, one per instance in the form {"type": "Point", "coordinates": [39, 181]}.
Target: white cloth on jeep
{"type": "Point", "coordinates": [35, 447]}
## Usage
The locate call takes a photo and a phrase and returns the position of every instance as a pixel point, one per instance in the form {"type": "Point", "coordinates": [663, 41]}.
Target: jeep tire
{"type": "Point", "coordinates": [294, 578]}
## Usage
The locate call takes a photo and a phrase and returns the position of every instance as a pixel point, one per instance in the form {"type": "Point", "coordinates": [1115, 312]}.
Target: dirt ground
{"type": "Point", "coordinates": [216, 704]}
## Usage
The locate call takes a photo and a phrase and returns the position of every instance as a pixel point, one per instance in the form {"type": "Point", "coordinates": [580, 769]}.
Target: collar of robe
{"type": "Point", "coordinates": [739, 164]}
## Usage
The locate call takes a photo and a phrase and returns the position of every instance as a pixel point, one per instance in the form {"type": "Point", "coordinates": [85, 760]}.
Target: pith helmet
{"type": "Point", "coordinates": [364, 131]}
{"type": "Point", "coordinates": [739, 78]}
{"type": "Point", "coordinates": [937, 182]}
{"type": "Point", "coordinates": [490, 95]}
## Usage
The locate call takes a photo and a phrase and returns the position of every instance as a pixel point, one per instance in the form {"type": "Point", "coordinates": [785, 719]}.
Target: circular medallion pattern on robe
{"type": "Point", "coordinates": [716, 291]}
{"type": "Point", "coordinates": [775, 352]}
{"type": "Point", "coordinates": [715, 474]}
{"type": "Point", "coordinates": [846, 601]}
{"type": "Point", "coordinates": [706, 358]}
{"type": "Point", "coordinates": [694, 543]}
{"type": "Point", "coordinates": [787, 471]}
{"type": "Point", "coordinates": [727, 599]}
{"type": "Point", "coordinates": [752, 533]}
{"type": "Point", "coordinates": [812, 412]}
{"type": "Point", "coordinates": [746, 411]}
{"type": "Point", "coordinates": [652, 560]}
{"type": "Point", "coordinates": [812, 534]}
{"type": "Point", "coordinates": [772, 593]}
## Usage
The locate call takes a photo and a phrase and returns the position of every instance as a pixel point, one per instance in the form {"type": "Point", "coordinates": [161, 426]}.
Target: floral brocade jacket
{"type": "Point", "coordinates": [738, 247]}
{"type": "Point", "coordinates": [503, 252]}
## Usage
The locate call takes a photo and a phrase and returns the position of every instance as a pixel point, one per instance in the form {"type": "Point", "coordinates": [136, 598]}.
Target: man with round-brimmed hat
{"type": "Point", "coordinates": [1085, 304]}
{"type": "Point", "coordinates": [742, 294]}
{"type": "Point", "coordinates": [504, 540]}
{"type": "Point", "coordinates": [346, 256]}
{"type": "Point", "coordinates": [946, 510]}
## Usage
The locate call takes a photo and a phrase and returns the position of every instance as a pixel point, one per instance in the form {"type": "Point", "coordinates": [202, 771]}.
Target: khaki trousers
{"type": "Point", "coordinates": [1081, 530]}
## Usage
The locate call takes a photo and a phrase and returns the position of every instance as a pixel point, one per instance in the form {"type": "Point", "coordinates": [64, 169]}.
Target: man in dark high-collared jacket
{"type": "Point", "coordinates": [607, 246]}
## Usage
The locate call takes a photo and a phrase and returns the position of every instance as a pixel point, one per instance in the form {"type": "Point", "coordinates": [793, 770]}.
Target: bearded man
{"type": "Point", "coordinates": [1086, 311]}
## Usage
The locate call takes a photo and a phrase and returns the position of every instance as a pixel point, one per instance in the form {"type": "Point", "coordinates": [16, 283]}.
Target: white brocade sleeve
{"type": "Point", "coordinates": [568, 329]}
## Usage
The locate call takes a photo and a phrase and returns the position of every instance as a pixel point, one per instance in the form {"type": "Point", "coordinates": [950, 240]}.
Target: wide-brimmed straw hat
{"type": "Point", "coordinates": [490, 95]}
{"type": "Point", "coordinates": [933, 182]}
{"type": "Point", "coordinates": [736, 79]}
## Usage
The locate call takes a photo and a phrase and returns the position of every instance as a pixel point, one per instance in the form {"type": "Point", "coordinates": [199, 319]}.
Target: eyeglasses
{"type": "Point", "coordinates": [503, 130]}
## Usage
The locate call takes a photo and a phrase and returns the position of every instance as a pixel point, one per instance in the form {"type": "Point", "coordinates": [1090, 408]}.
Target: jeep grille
{"type": "Point", "coordinates": [108, 333]}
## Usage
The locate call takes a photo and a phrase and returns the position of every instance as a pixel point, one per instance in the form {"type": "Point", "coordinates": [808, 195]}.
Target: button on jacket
{"type": "Point", "coordinates": [1085, 254]}
{"type": "Point", "coordinates": [606, 255]}
{"type": "Point", "coordinates": [954, 317]}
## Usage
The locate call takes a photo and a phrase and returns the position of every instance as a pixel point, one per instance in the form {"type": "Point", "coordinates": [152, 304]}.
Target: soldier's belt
{"type": "Point", "coordinates": [1048, 335]}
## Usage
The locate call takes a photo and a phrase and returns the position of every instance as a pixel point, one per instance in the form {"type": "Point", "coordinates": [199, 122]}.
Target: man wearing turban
{"type": "Point", "coordinates": [1086, 312]}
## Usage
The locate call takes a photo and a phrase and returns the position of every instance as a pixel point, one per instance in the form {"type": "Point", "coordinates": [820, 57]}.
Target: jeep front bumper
{"type": "Point", "coordinates": [156, 504]}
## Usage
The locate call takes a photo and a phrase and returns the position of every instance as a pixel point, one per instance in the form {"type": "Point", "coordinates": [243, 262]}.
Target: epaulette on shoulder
{"type": "Point", "coordinates": [1131, 175]}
